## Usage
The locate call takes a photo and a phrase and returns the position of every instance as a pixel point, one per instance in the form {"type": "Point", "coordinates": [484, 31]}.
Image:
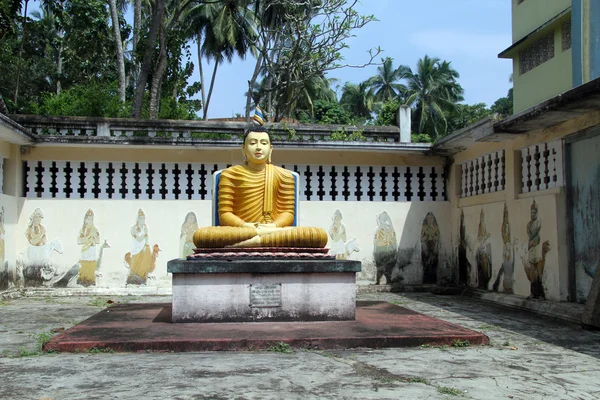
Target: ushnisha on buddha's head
{"type": "Point", "coordinates": [257, 147]}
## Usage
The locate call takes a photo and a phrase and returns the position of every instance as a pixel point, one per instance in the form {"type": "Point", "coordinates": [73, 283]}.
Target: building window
{"type": "Point", "coordinates": [536, 54]}
{"type": "Point", "coordinates": [566, 36]}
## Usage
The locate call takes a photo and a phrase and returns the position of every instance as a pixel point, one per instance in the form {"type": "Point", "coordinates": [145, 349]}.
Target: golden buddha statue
{"type": "Point", "coordinates": [256, 204]}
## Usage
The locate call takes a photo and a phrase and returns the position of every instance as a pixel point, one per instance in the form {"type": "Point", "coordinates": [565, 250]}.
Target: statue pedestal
{"type": "Point", "coordinates": [262, 290]}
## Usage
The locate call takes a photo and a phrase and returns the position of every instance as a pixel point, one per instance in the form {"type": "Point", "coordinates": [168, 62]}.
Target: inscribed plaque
{"type": "Point", "coordinates": [265, 295]}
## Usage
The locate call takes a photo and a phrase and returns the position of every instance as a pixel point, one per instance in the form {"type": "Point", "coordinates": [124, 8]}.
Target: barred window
{"type": "Point", "coordinates": [536, 54]}
{"type": "Point", "coordinates": [566, 36]}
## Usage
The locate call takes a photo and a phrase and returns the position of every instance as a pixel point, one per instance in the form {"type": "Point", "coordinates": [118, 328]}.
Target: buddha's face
{"type": "Point", "coordinates": [257, 147]}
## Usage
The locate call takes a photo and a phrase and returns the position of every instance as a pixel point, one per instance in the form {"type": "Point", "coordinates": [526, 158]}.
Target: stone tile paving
{"type": "Point", "coordinates": [530, 358]}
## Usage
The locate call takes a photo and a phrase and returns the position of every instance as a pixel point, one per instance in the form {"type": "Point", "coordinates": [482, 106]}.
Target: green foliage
{"type": "Point", "coordinates": [449, 391]}
{"type": "Point", "coordinates": [388, 113]}
{"type": "Point", "coordinates": [460, 343]}
{"type": "Point", "coordinates": [280, 348]}
{"type": "Point", "coordinates": [504, 105]}
{"type": "Point", "coordinates": [420, 138]}
{"type": "Point", "coordinates": [328, 112]}
{"type": "Point", "coordinates": [99, 350]}
{"type": "Point", "coordinates": [464, 115]}
{"type": "Point", "coordinates": [417, 380]}
{"type": "Point", "coordinates": [92, 100]}
{"type": "Point", "coordinates": [23, 352]}
{"type": "Point", "coordinates": [343, 135]}
{"type": "Point", "coordinates": [100, 302]}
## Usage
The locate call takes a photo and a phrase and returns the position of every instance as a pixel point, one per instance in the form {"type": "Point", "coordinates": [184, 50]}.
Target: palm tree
{"type": "Point", "coordinates": [384, 83]}
{"type": "Point", "coordinates": [223, 29]}
{"type": "Point", "coordinates": [358, 99]}
{"type": "Point", "coordinates": [432, 91]}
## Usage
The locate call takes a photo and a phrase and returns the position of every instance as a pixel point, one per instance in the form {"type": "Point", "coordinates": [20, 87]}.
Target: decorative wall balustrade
{"type": "Point", "coordinates": [542, 166]}
{"type": "Point", "coordinates": [193, 181]}
{"type": "Point", "coordinates": [65, 127]}
{"type": "Point", "coordinates": [484, 174]}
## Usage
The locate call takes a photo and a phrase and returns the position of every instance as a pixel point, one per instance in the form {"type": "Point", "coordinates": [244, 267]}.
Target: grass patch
{"type": "Point", "coordinates": [41, 339]}
{"type": "Point", "coordinates": [460, 343]}
{"type": "Point", "coordinates": [280, 348]}
{"type": "Point", "coordinates": [417, 380]}
{"type": "Point", "coordinates": [23, 352]}
{"type": "Point", "coordinates": [488, 327]}
{"type": "Point", "coordinates": [449, 391]}
{"type": "Point", "coordinates": [99, 302]}
{"type": "Point", "coordinates": [506, 343]}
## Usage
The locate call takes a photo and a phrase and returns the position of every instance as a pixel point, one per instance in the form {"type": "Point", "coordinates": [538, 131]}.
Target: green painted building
{"type": "Point", "coordinates": [556, 47]}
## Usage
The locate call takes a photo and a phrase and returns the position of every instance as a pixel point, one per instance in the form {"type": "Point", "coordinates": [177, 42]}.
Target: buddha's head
{"type": "Point", "coordinates": [257, 146]}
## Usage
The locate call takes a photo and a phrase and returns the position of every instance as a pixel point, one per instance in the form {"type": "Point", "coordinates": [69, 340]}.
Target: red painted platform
{"type": "Point", "coordinates": [141, 327]}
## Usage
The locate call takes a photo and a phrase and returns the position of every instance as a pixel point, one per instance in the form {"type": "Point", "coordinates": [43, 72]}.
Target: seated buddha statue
{"type": "Point", "coordinates": [256, 204]}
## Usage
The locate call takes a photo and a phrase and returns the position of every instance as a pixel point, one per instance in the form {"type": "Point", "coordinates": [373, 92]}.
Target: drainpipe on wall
{"type": "Point", "coordinates": [404, 123]}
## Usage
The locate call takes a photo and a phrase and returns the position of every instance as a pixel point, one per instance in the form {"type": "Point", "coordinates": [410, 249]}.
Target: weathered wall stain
{"type": "Point", "coordinates": [464, 266]}
{"type": "Point", "coordinates": [3, 263]}
{"type": "Point", "coordinates": [483, 254]}
{"type": "Point", "coordinates": [430, 248]}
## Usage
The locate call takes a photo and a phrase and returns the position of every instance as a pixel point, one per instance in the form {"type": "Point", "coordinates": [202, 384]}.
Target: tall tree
{"type": "Point", "coordinates": [120, 59]}
{"type": "Point", "coordinates": [223, 30]}
{"type": "Point", "coordinates": [385, 84]}
{"type": "Point", "coordinates": [432, 91]}
{"type": "Point", "coordinates": [158, 12]}
{"type": "Point", "coordinates": [358, 99]}
{"type": "Point", "coordinates": [307, 41]}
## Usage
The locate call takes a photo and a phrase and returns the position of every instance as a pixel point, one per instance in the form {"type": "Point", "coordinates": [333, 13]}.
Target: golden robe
{"type": "Point", "coordinates": [259, 197]}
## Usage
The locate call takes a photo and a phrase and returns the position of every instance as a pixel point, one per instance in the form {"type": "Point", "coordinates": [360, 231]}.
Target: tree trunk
{"type": "Point", "coordinates": [59, 63]}
{"type": "Point", "coordinates": [137, 21]}
{"type": "Point", "coordinates": [212, 83]}
{"type": "Point", "coordinates": [119, 48]}
{"type": "Point", "coordinates": [154, 105]}
{"type": "Point", "coordinates": [3, 108]}
{"type": "Point", "coordinates": [16, 98]}
{"type": "Point", "coordinates": [251, 82]}
{"type": "Point", "coordinates": [201, 71]}
{"type": "Point", "coordinates": [157, 19]}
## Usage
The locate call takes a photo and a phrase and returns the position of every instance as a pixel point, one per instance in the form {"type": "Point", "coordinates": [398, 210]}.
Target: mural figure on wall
{"type": "Point", "coordinates": [536, 256]}
{"type": "Point", "coordinates": [186, 238]}
{"type": "Point", "coordinates": [384, 248]}
{"type": "Point", "coordinates": [430, 248]}
{"type": "Point", "coordinates": [141, 261]}
{"type": "Point", "coordinates": [34, 261]}
{"type": "Point", "coordinates": [483, 256]}
{"type": "Point", "coordinates": [337, 232]}
{"type": "Point", "coordinates": [3, 268]}
{"type": "Point", "coordinates": [508, 257]}
{"type": "Point", "coordinates": [464, 266]}
{"type": "Point", "coordinates": [88, 238]}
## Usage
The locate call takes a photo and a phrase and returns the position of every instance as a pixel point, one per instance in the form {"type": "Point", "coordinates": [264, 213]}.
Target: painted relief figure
{"type": "Point", "coordinates": [464, 266]}
{"type": "Point", "coordinates": [384, 248]}
{"type": "Point", "coordinates": [536, 257]}
{"type": "Point", "coordinates": [430, 248]}
{"type": "Point", "coordinates": [35, 259]}
{"type": "Point", "coordinates": [483, 255]}
{"type": "Point", "coordinates": [141, 261]}
{"type": "Point", "coordinates": [3, 269]}
{"type": "Point", "coordinates": [508, 257]}
{"type": "Point", "coordinates": [337, 232]}
{"type": "Point", "coordinates": [186, 239]}
{"type": "Point", "coordinates": [88, 238]}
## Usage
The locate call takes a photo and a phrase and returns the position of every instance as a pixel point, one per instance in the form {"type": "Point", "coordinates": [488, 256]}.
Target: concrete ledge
{"type": "Point", "coordinates": [567, 311]}
{"type": "Point", "coordinates": [262, 266]}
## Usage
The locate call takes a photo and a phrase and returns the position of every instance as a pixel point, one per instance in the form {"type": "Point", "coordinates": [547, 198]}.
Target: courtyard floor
{"type": "Point", "coordinates": [530, 357]}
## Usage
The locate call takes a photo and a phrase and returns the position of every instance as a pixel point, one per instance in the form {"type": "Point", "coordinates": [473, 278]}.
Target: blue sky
{"type": "Point", "coordinates": [469, 33]}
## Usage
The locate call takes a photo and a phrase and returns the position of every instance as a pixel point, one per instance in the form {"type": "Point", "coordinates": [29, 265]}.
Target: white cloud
{"type": "Point", "coordinates": [449, 43]}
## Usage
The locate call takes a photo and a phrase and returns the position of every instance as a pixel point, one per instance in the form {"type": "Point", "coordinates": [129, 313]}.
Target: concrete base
{"type": "Point", "coordinates": [251, 290]}
{"type": "Point", "coordinates": [227, 297]}
{"type": "Point", "coordinates": [148, 327]}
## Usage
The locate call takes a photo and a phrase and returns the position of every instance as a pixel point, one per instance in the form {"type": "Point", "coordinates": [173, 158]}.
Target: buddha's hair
{"type": "Point", "coordinates": [256, 129]}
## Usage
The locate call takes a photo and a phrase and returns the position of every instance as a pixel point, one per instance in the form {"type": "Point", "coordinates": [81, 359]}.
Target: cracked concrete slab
{"type": "Point", "coordinates": [530, 357]}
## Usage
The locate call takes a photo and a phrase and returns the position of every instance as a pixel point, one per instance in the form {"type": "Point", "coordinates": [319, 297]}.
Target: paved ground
{"type": "Point", "coordinates": [530, 358]}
